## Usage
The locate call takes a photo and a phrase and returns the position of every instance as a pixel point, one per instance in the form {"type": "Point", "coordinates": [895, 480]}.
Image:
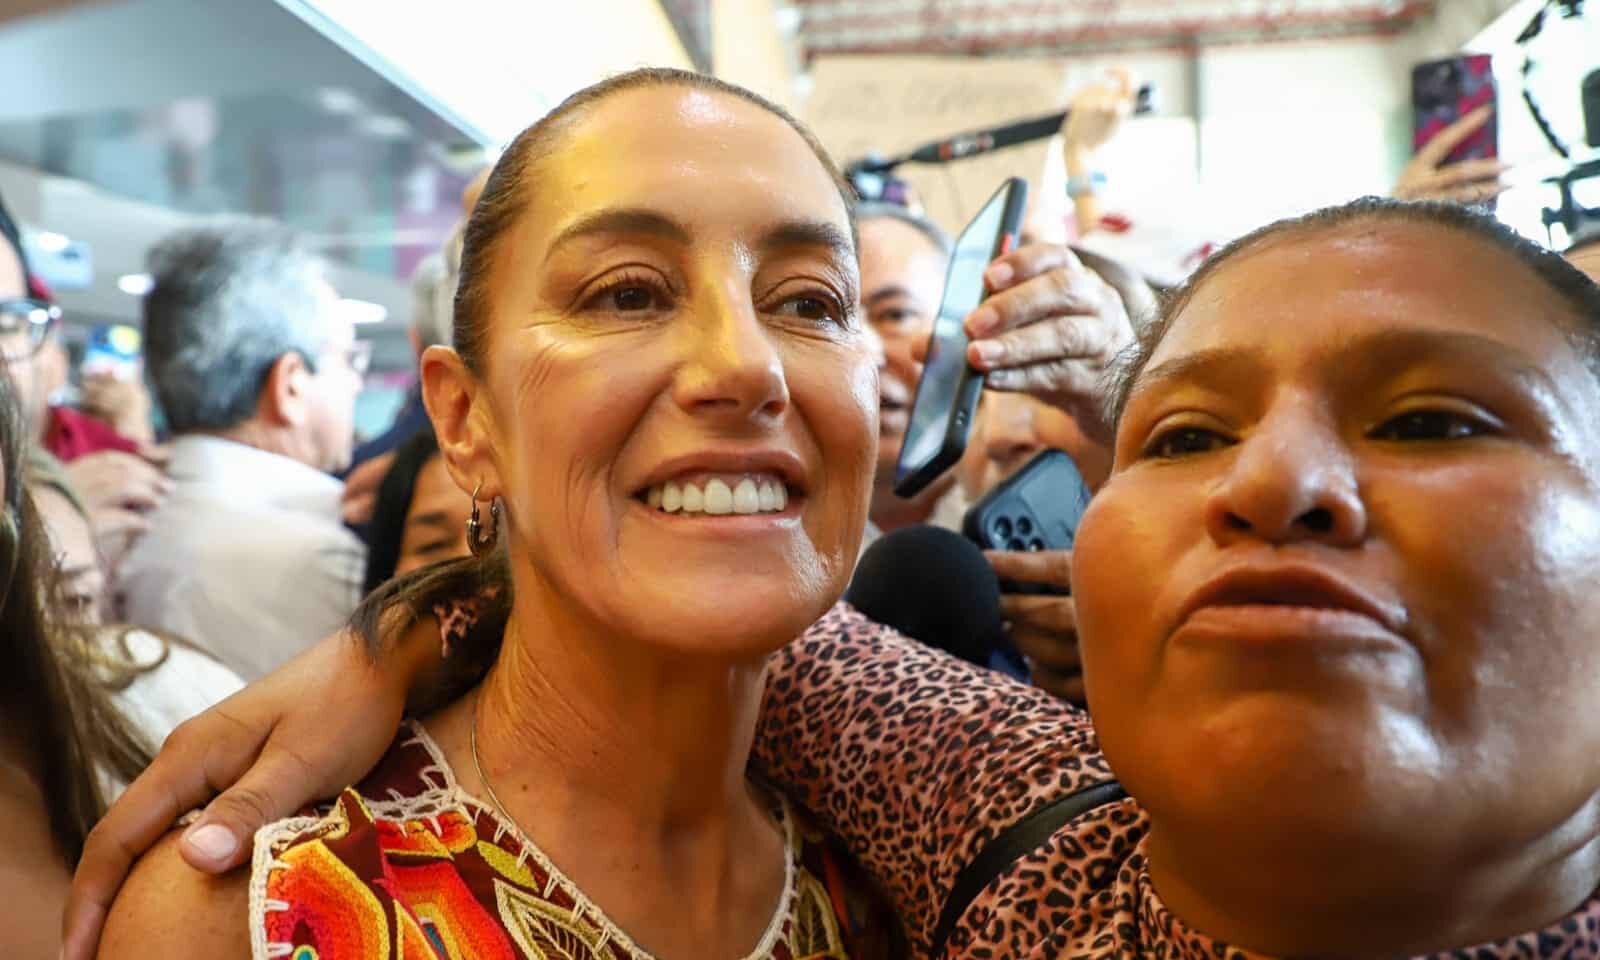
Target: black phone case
{"type": "Point", "coordinates": [1037, 508]}
{"type": "Point", "coordinates": [959, 424]}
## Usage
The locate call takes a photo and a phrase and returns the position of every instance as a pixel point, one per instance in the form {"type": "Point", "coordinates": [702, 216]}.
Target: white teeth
{"type": "Point", "coordinates": [746, 498]}
{"type": "Point", "coordinates": [693, 500]}
{"type": "Point", "coordinates": [719, 499]}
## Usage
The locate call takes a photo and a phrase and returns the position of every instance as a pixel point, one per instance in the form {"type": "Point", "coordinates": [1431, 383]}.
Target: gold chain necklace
{"type": "Point", "coordinates": [477, 763]}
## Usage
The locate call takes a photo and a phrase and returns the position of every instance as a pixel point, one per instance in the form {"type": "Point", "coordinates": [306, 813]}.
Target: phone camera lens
{"type": "Point", "coordinates": [1035, 544]}
{"type": "Point", "coordinates": [1015, 544]}
{"type": "Point", "coordinates": [1002, 529]}
{"type": "Point", "coordinates": [1024, 526]}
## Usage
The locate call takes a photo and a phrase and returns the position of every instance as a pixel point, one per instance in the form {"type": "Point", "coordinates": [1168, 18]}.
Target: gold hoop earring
{"type": "Point", "coordinates": [481, 539]}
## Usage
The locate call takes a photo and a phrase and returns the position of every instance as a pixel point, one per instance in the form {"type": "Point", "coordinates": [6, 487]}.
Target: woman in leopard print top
{"type": "Point", "coordinates": [1337, 606]}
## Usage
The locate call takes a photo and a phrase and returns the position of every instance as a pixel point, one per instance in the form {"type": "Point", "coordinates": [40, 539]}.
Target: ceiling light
{"type": "Point", "coordinates": [51, 242]}
{"type": "Point", "coordinates": [363, 311]}
{"type": "Point", "coordinates": [135, 284]}
{"type": "Point", "coordinates": [338, 101]}
{"type": "Point", "coordinates": [384, 126]}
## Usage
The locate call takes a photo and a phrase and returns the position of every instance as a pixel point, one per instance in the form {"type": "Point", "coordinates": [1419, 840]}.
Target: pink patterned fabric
{"type": "Point", "coordinates": [916, 760]}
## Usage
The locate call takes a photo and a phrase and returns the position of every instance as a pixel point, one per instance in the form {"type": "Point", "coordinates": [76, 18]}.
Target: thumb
{"type": "Point", "coordinates": [220, 839]}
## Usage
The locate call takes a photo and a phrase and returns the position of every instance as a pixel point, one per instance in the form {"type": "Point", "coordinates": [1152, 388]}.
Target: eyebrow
{"type": "Point", "coordinates": [886, 293]}
{"type": "Point", "coordinates": [433, 518]}
{"type": "Point", "coordinates": [1383, 352]}
{"type": "Point", "coordinates": [1386, 350]}
{"type": "Point", "coordinates": [646, 222]}
{"type": "Point", "coordinates": [1201, 365]}
{"type": "Point", "coordinates": [635, 220]}
{"type": "Point", "coordinates": [810, 233]}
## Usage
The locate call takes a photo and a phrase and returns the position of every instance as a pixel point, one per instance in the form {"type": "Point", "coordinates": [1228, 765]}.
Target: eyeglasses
{"type": "Point", "coordinates": [357, 356]}
{"type": "Point", "coordinates": [360, 357]}
{"type": "Point", "coordinates": [25, 325]}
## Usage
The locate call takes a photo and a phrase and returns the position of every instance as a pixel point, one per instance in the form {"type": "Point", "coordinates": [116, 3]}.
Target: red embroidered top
{"type": "Point", "coordinates": [406, 866]}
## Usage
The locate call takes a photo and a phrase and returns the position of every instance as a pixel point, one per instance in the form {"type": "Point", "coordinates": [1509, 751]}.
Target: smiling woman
{"type": "Point", "coordinates": [663, 402]}
{"type": "Point", "coordinates": [1337, 603]}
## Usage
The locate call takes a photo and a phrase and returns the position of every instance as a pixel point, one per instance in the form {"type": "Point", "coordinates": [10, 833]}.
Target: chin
{"type": "Point", "coordinates": [733, 624]}
{"type": "Point", "coordinates": [736, 614]}
{"type": "Point", "coordinates": [1281, 760]}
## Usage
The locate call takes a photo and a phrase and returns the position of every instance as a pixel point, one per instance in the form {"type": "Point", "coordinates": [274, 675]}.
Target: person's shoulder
{"type": "Point", "coordinates": [169, 909]}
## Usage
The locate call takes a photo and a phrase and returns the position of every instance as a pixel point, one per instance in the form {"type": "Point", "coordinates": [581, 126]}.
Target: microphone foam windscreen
{"type": "Point", "coordinates": [932, 585]}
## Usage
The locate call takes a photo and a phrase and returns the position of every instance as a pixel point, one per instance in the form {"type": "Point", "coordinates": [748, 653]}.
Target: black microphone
{"type": "Point", "coordinates": [932, 585]}
{"type": "Point", "coordinates": [971, 144]}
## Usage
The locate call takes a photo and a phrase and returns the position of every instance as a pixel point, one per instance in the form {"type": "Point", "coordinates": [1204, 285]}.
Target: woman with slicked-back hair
{"type": "Point", "coordinates": [661, 406]}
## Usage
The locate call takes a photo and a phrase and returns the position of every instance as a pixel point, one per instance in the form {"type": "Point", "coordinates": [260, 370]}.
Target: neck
{"type": "Point", "coordinates": [890, 512]}
{"type": "Point", "coordinates": [254, 433]}
{"type": "Point", "coordinates": [39, 417]}
{"type": "Point", "coordinates": [662, 744]}
{"type": "Point", "coordinates": [626, 765]}
{"type": "Point", "coordinates": [1290, 893]}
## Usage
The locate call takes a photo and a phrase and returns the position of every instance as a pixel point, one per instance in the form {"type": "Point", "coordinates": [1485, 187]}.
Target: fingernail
{"type": "Point", "coordinates": [999, 274]}
{"type": "Point", "coordinates": [982, 322]}
{"type": "Point", "coordinates": [211, 841]}
{"type": "Point", "coordinates": [989, 351]}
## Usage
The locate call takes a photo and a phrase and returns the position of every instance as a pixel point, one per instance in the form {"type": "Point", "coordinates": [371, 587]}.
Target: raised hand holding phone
{"type": "Point", "coordinates": [947, 392]}
{"type": "Point", "coordinates": [1455, 133]}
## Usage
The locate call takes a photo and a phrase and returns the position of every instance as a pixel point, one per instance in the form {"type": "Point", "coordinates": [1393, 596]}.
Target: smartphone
{"type": "Point", "coordinates": [947, 392]}
{"type": "Point", "coordinates": [1036, 508]}
{"type": "Point", "coordinates": [113, 349]}
{"type": "Point", "coordinates": [1444, 91]}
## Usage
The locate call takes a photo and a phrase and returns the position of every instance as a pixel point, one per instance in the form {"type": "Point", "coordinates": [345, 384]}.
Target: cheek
{"type": "Point", "coordinates": [1119, 561]}
{"type": "Point", "coordinates": [834, 390]}
{"type": "Point", "coordinates": [1501, 567]}
{"type": "Point", "coordinates": [564, 408]}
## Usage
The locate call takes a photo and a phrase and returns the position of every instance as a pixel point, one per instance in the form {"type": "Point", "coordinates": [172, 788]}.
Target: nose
{"type": "Point", "coordinates": [733, 370]}
{"type": "Point", "coordinates": [875, 347]}
{"type": "Point", "coordinates": [1291, 479]}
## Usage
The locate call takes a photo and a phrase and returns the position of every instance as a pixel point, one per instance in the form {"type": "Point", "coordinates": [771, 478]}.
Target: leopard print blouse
{"type": "Point", "coordinates": [917, 760]}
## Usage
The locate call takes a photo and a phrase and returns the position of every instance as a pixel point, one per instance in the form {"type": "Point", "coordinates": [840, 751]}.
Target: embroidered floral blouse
{"type": "Point", "coordinates": [407, 866]}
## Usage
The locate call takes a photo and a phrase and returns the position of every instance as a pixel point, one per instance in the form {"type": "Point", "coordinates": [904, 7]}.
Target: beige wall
{"type": "Point", "coordinates": [748, 48]}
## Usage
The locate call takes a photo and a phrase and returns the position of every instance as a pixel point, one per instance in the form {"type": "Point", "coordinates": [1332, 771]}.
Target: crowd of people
{"type": "Point", "coordinates": [558, 665]}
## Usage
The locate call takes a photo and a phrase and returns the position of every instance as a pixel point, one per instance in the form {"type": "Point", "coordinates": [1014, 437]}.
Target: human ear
{"type": "Point", "coordinates": [458, 404]}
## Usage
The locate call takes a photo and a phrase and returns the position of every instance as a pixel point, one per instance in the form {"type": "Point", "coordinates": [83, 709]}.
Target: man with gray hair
{"type": "Point", "coordinates": [433, 297]}
{"type": "Point", "coordinates": [257, 369]}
